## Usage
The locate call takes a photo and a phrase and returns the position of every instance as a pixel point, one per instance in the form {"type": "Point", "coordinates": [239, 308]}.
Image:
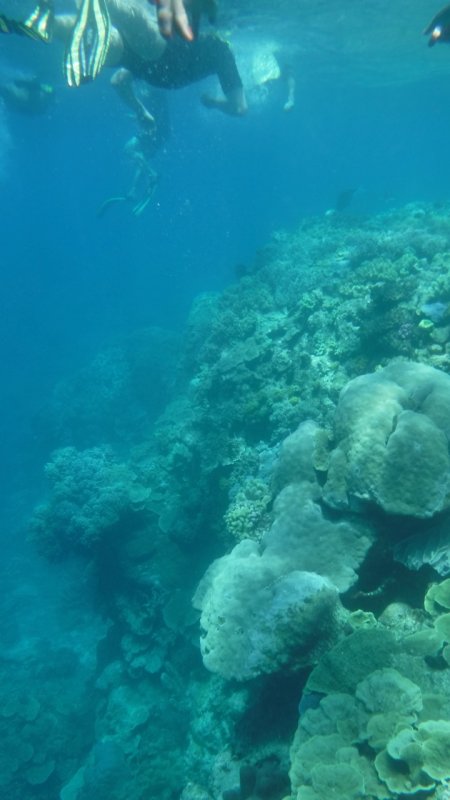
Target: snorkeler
{"type": "Point", "coordinates": [283, 74]}
{"type": "Point", "coordinates": [439, 28]}
{"type": "Point", "coordinates": [124, 33]}
{"type": "Point", "coordinates": [27, 95]}
{"type": "Point", "coordinates": [139, 150]}
{"type": "Point", "coordinates": [181, 64]}
{"type": "Point", "coordinates": [145, 179]}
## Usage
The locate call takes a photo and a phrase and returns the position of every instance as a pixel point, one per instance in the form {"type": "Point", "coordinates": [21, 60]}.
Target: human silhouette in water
{"type": "Point", "coordinates": [27, 95]}
{"type": "Point", "coordinates": [125, 34]}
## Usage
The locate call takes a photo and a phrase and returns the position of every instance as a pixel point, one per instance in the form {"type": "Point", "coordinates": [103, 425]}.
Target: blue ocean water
{"type": "Point", "coordinates": [75, 284]}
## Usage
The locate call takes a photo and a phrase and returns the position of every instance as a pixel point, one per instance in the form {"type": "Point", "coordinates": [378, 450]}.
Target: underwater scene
{"type": "Point", "coordinates": [225, 405]}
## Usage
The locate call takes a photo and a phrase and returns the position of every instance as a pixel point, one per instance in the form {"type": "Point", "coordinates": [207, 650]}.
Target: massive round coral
{"type": "Point", "coordinates": [392, 432]}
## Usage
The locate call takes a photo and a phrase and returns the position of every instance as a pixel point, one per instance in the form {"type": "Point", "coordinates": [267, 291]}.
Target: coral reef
{"type": "Point", "coordinates": [93, 497]}
{"type": "Point", "coordinates": [116, 397]}
{"type": "Point", "coordinates": [42, 735]}
{"type": "Point", "coordinates": [296, 483]}
{"type": "Point", "coordinates": [381, 725]}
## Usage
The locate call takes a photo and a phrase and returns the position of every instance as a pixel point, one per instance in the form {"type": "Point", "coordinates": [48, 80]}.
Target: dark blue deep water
{"type": "Point", "coordinates": [75, 286]}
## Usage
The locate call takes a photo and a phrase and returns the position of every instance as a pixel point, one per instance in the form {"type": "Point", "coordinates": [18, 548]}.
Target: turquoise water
{"type": "Point", "coordinates": [155, 370]}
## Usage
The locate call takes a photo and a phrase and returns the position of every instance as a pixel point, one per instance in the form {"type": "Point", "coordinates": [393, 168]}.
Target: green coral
{"type": "Point", "coordinates": [386, 690]}
{"type": "Point", "coordinates": [394, 718]}
{"type": "Point", "coordinates": [437, 598]}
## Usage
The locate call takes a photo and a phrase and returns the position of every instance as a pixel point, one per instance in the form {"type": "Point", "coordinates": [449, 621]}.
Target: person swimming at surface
{"type": "Point", "coordinates": [145, 178]}
{"type": "Point", "coordinates": [139, 150]}
{"type": "Point", "coordinates": [132, 41]}
{"type": "Point", "coordinates": [179, 62]}
{"type": "Point", "coordinates": [27, 95]}
{"type": "Point", "coordinates": [284, 74]}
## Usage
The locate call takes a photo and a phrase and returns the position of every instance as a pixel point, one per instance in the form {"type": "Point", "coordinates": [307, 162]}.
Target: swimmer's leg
{"type": "Point", "coordinates": [122, 82]}
{"type": "Point", "coordinates": [221, 61]}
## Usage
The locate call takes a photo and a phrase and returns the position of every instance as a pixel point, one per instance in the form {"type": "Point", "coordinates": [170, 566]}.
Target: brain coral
{"type": "Point", "coordinates": [392, 432]}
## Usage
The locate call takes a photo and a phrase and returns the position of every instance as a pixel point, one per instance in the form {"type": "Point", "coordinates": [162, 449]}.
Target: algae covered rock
{"type": "Point", "coordinates": [392, 440]}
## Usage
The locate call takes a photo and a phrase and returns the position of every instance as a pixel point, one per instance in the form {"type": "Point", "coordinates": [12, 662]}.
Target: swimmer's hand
{"type": "Point", "coordinates": [145, 119]}
{"type": "Point", "coordinates": [172, 17]}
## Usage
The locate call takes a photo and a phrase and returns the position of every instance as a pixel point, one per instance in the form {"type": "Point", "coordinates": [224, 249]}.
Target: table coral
{"type": "Point", "coordinates": [389, 723]}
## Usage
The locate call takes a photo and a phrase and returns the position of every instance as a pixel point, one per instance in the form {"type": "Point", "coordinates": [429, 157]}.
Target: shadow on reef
{"type": "Point", "coordinates": [264, 780]}
{"type": "Point", "coordinates": [382, 581]}
{"type": "Point", "coordinates": [271, 712]}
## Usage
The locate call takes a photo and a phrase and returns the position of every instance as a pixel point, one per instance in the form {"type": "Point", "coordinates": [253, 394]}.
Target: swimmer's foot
{"type": "Point", "coordinates": [234, 104]}
{"type": "Point", "coordinates": [110, 201]}
{"type": "Point", "coordinates": [140, 207]}
{"type": "Point", "coordinates": [210, 102]}
{"type": "Point", "coordinates": [38, 25]}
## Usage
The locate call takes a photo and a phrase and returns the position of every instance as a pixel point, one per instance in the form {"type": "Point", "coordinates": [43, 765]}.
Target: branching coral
{"type": "Point", "coordinates": [90, 493]}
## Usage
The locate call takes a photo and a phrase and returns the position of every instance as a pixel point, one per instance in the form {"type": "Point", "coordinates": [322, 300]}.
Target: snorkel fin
{"type": "Point", "coordinates": [39, 25]}
{"type": "Point", "coordinates": [28, 28]}
{"type": "Point", "coordinates": [86, 52]}
{"type": "Point", "coordinates": [110, 201]}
